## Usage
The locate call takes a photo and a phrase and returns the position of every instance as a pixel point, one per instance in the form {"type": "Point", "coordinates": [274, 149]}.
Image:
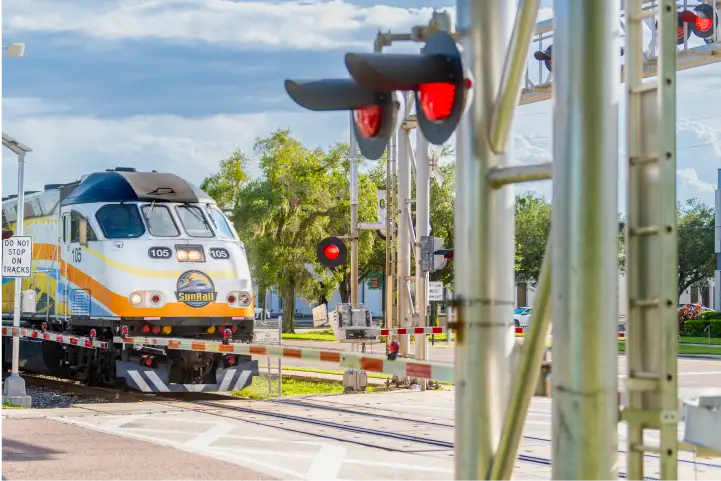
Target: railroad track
{"type": "Point", "coordinates": [77, 388]}
{"type": "Point", "coordinates": [339, 432]}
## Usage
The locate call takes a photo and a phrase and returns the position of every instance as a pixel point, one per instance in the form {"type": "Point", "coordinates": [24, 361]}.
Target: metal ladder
{"type": "Point", "coordinates": [651, 243]}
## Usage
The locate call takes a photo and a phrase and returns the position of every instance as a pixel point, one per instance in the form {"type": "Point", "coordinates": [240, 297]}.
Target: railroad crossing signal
{"type": "Point", "coordinates": [375, 112]}
{"type": "Point", "coordinates": [331, 252]}
{"type": "Point", "coordinates": [546, 57]}
{"type": "Point", "coordinates": [437, 75]}
{"type": "Point", "coordinates": [700, 20]}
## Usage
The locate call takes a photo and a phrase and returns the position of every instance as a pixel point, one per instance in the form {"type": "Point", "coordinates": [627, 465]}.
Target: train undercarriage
{"type": "Point", "coordinates": [146, 368]}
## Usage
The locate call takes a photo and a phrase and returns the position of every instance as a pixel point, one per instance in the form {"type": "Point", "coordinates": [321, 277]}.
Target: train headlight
{"type": "Point", "coordinates": [244, 299]}
{"type": "Point", "coordinates": [190, 253]}
{"type": "Point", "coordinates": [136, 298]}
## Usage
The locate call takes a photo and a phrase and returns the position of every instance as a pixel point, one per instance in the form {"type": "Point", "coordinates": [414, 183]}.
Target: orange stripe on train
{"type": "Point", "coordinates": [120, 305]}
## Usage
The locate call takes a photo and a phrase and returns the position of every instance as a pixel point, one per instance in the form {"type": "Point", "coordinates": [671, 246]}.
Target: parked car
{"type": "Point", "coordinates": [522, 316]}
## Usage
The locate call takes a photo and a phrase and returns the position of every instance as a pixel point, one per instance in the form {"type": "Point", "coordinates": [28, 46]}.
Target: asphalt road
{"type": "Point", "coordinates": [396, 435]}
{"type": "Point", "coordinates": [693, 373]}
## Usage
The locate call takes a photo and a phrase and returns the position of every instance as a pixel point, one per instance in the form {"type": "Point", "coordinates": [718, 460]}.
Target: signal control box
{"type": "Point", "coordinates": [354, 325]}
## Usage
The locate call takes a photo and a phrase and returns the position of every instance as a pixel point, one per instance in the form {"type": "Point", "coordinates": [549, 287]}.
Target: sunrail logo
{"type": "Point", "coordinates": [195, 289]}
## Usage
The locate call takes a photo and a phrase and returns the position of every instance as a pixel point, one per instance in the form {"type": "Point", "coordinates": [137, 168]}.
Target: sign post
{"type": "Point", "coordinates": [21, 253]}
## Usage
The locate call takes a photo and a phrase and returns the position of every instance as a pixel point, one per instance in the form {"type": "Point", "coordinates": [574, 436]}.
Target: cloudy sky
{"type": "Point", "coordinates": [176, 85]}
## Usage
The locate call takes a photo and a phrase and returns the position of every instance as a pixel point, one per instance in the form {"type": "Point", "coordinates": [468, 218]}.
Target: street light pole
{"type": "Point", "coordinates": [14, 386]}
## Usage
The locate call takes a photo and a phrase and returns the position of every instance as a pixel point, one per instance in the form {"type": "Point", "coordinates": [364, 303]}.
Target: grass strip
{"type": "Point", "coordinates": [260, 389]}
{"type": "Point", "coordinates": [685, 349]}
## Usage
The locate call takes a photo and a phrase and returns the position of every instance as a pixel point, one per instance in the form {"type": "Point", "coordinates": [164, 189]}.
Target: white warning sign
{"type": "Point", "coordinates": [17, 257]}
{"type": "Point", "coordinates": [435, 291]}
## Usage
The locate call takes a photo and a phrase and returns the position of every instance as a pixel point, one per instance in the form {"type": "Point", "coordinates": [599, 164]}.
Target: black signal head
{"type": "Point", "coordinates": [331, 252]}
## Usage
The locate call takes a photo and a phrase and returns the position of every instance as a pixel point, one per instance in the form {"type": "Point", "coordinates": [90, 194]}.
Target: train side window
{"type": "Point", "coordinates": [75, 217]}
{"type": "Point", "coordinates": [120, 221]}
{"type": "Point", "coordinates": [160, 221]}
{"type": "Point", "coordinates": [66, 228]}
{"type": "Point", "coordinates": [220, 223]}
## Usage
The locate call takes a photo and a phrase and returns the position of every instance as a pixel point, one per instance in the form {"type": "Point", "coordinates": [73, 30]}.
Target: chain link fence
{"type": "Point", "coordinates": [268, 383]}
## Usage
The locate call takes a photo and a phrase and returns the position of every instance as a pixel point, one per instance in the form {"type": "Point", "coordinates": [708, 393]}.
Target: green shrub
{"type": "Point", "coordinates": [699, 326]}
{"type": "Point", "coordinates": [711, 315]}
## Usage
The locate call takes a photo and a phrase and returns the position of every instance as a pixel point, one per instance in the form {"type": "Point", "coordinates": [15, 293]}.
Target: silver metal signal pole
{"type": "Point", "coordinates": [717, 243]}
{"type": "Point", "coordinates": [484, 233]}
{"type": "Point", "coordinates": [403, 262]}
{"type": "Point", "coordinates": [423, 205]}
{"type": "Point", "coordinates": [353, 216]}
{"type": "Point", "coordinates": [585, 230]}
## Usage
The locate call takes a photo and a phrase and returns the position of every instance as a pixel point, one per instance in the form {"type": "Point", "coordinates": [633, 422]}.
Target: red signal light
{"type": "Point", "coordinates": [368, 120]}
{"type": "Point", "coordinates": [436, 100]}
{"type": "Point", "coordinates": [146, 328]}
{"type": "Point", "coordinates": [93, 333]}
{"type": "Point", "coordinates": [156, 329]}
{"type": "Point", "coordinates": [331, 252]}
{"type": "Point", "coordinates": [155, 299]}
{"type": "Point", "coordinates": [704, 24]}
{"type": "Point", "coordinates": [7, 234]}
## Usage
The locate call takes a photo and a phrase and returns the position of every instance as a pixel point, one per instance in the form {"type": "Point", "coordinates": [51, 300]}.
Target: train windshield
{"type": "Point", "coordinates": [194, 221]}
{"type": "Point", "coordinates": [160, 222]}
{"type": "Point", "coordinates": [120, 221]}
{"type": "Point", "coordinates": [221, 225]}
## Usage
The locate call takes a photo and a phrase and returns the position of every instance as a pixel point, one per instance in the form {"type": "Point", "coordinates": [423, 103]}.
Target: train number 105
{"type": "Point", "coordinates": [218, 253]}
{"type": "Point", "coordinates": [159, 253]}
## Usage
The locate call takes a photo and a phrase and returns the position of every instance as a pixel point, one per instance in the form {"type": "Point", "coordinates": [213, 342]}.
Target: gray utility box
{"type": "Point", "coordinates": [355, 381]}
{"type": "Point", "coordinates": [356, 325]}
{"type": "Point", "coordinates": [703, 423]}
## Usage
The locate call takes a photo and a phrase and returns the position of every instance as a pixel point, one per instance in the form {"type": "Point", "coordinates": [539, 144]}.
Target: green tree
{"type": "Point", "coordinates": [225, 185]}
{"type": "Point", "coordinates": [696, 258]}
{"type": "Point", "coordinates": [533, 224]}
{"type": "Point", "coordinates": [283, 215]}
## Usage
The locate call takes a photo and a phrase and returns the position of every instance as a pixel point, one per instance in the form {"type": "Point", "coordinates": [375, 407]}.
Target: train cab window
{"type": "Point", "coordinates": [120, 221]}
{"type": "Point", "coordinates": [220, 223]}
{"type": "Point", "coordinates": [160, 221]}
{"type": "Point", "coordinates": [75, 217]}
{"type": "Point", "coordinates": [194, 221]}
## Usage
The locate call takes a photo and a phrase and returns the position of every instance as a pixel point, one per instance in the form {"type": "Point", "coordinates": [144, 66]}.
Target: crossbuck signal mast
{"type": "Point", "coordinates": [488, 74]}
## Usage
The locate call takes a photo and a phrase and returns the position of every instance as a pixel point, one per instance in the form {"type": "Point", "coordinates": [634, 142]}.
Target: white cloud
{"type": "Point", "coordinates": [690, 178]}
{"type": "Point", "coordinates": [294, 24]}
{"type": "Point", "coordinates": [66, 147]}
{"type": "Point", "coordinates": [308, 24]}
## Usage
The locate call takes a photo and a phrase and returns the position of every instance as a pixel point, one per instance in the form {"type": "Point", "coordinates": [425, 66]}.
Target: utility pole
{"type": "Point", "coordinates": [423, 208]}
{"type": "Point", "coordinates": [484, 231]}
{"type": "Point", "coordinates": [353, 217]}
{"type": "Point", "coordinates": [585, 229]}
{"type": "Point", "coordinates": [717, 244]}
{"type": "Point", "coordinates": [403, 260]}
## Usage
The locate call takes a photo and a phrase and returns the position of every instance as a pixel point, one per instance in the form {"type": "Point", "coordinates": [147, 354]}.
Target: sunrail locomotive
{"type": "Point", "coordinates": [127, 253]}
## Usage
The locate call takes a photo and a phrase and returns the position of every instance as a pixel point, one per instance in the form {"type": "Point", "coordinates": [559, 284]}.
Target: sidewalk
{"type": "Point", "coordinates": [71, 452]}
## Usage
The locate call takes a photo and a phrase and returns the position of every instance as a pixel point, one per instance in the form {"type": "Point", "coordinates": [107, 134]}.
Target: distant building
{"type": "Point", "coordinates": [372, 299]}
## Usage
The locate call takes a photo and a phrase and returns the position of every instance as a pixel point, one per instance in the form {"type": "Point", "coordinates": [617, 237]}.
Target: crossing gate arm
{"type": "Point", "coordinates": [365, 362]}
{"type": "Point", "coordinates": [53, 337]}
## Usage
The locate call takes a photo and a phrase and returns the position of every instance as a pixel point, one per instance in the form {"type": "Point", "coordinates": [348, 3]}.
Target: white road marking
{"type": "Point", "coordinates": [211, 435]}
{"type": "Point", "coordinates": [327, 462]}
